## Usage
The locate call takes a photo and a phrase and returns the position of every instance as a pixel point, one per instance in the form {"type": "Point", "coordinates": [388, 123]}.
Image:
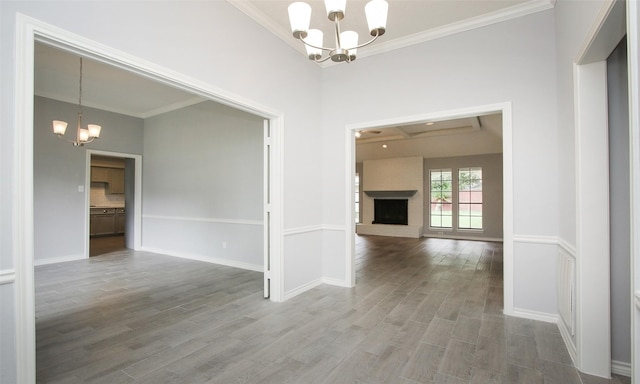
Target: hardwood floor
{"type": "Point", "coordinates": [423, 311]}
{"type": "Point", "coordinates": [106, 244]}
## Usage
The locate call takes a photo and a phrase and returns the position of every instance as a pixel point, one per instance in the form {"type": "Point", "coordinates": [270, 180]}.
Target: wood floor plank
{"type": "Point", "coordinates": [423, 311]}
{"type": "Point", "coordinates": [423, 364]}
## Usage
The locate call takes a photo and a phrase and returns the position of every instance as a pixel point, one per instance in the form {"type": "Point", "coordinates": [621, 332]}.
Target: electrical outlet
{"type": "Point", "coordinates": [224, 244]}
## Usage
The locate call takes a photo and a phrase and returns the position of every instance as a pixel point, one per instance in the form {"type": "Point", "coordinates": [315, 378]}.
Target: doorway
{"type": "Point", "coordinates": [31, 30]}
{"type": "Point", "coordinates": [507, 178]}
{"type": "Point", "coordinates": [111, 196]}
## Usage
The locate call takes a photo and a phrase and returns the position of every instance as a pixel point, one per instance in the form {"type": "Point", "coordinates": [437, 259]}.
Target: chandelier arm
{"type": "Point", "coordinates": [74, 142]}
{"type": "Point", "coordinates": [367, 43]}
{"type": "Point", "coordinates": [322, 60]}
{"type": "Point", "coordinates": [314, 46]}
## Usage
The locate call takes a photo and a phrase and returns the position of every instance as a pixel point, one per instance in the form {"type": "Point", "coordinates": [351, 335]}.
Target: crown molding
{"type": "Point", "coordinates": [140, 115]}
{"type": "Point", "coordinates": [516, 11]}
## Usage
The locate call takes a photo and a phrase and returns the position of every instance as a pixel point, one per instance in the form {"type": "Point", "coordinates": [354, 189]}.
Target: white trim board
{"type": "Point", "coordinates": [61, 259]}
{"type": "Point", "coordinates": [621, 368]}
{"type": "Point", "coordinates": [204, 219]}
{"type": "Point", "coordinates": [206, 259]}
{"type": "Point", "coordinates": [535, 315]}
{"type": "Point", "coordinates": [29, 30]}
{"type": "Point", "coordinates": [633, 48]}
{"type": "Point", "coordinates": [7, 276]}
{"type": "Point", "coordinates": [463, 237]}
{"type": "Point", "coordinates": [302, 289]}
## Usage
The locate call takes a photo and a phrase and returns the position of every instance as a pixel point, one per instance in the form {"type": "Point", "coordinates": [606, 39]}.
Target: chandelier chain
{"type": "Point", "coordinates": [80, 90]}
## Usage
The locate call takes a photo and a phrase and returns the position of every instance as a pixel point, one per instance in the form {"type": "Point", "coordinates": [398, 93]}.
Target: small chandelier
{"type": "Point", "coordinates": [83, 136]}
{"type": "Point", "coordinates": [346, 43]}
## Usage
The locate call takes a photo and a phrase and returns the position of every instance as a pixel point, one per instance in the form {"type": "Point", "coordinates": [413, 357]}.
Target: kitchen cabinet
{"type": "Point", "coordinates": [107, 221]}
{"type": "Point", "coordinates": [102, 221]}
{"type": "Point", "coordinates": [116, 180]}
{"type": "Point", "coordinates": [100, 174]}
{"type": "Point", "coordinates": [120, 220]}
{"type": "Point", "coordinates": [113, 177]}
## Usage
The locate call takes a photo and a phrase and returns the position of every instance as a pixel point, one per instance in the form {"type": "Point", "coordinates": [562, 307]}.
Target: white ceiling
{"type": "Point", "coordinates": [409, 22]}
{"type": "Point", "coordinates": [105, 87]}
{"type": "Point", "coordinates": [457, 137]}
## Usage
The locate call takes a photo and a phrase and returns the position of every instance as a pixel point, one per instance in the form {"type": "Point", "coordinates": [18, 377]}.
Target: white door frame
{"type": "Point", "coordinates": [137, 197]}
{"type": "Point", "coordinates": [593, 261]}
{"type": "Point", "coordinates": [507, 169]}
{"type": "Point", "coordinates": [28, 30]}
{"type": "Point", "coordinates": [633, 46]}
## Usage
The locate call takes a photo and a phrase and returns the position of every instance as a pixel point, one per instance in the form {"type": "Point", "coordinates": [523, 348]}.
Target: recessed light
{"type": "Point", "coordinates": [429, 123]}
{"type": "Point", "coordinates": [358, 133]}
{"type": "Point", "coordinates": [384, 145]}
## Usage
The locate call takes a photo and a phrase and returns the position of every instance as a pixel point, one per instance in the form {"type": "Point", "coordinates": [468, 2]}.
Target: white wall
{"type": "Point", "coordinates": [573, 19]}
{"type": "Point", "coordinates": [59, 168]}
{"type": "Point", "coordinates": [491, 194]}
{"type": "Point", "coordinates": [192, 41]}
{"type": "Point", "coordinates": [203, 185]}
{"type": "Point", "coordinates": [513, 61]}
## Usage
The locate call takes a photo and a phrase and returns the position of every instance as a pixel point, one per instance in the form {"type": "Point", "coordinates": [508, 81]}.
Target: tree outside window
{"type": "Point", "coordinates": [470, 198]}
{"type": "Point", "coordinates": [441, 203]}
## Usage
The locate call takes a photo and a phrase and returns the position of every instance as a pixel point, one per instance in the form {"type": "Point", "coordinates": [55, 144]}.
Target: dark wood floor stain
{"type": "Point", "coordinates": [423, 311]}
{"type": "Point", "coordinates": [106, 244]}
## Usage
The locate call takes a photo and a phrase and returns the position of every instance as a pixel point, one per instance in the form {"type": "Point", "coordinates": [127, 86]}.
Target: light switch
{"type": "Point", "coordinates": [80, 188]}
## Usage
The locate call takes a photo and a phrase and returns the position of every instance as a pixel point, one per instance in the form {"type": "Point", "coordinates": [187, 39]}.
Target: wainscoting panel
{"type": "Point", "coordinates": [334, 269]}
{"type": "Point", "coordinates": [8, 327]}
{"type": "Point", "coordinates": [534, 276]}
{"type": "Point", "coordinates": [567, 289]}
{"type": "Point", "coordinates": [229, 242]}
{"type": "Point", "coordinates": [302, 259]}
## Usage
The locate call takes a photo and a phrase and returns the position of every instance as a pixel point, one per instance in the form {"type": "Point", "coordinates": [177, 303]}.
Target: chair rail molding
{"type": "Point", "coordinates": [7, 276]}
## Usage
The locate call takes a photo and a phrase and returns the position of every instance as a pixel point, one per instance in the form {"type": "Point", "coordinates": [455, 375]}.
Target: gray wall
{"type": "Point", "coordinates": [617, 83]}
{"type": "Point", "coordinates": [492, 194]}
{"type": "Point", "coordinates": [203, 184]}
{"type": "Point", "coordinates": [59, 168]}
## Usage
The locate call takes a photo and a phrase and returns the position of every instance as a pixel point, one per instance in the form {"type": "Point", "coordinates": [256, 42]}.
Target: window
{"type": "Point", "coordinates": [357, 200]}
{"type": "Point", "coordinates": [441, 203]}
{"type": "Point", "coordinates": [470, 198]}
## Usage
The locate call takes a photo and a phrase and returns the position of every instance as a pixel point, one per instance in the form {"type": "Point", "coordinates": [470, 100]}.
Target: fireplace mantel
{"type": "Point", "coordinates": [404, 194]}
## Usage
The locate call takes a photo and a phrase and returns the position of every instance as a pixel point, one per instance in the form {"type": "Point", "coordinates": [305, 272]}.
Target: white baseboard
{"type": "Point", "coordinates": [301, 289]}
{"type": "Point", "coordinates": [621, 368]}
{"type": "Point", "coordinates": [412, 231]}
{"type": "Point", "coordinates": [534, 315]}
{"type": "Point", "coordinates": [568, 341]}
{"type": "Point", "coordinates": [336, 282]}
{"type": "Point", "coordinates": [463, 237]}
{"type": "Point", "coordinates": [207, 259]}
{"type": "Point", "coordinates": [61, 259]}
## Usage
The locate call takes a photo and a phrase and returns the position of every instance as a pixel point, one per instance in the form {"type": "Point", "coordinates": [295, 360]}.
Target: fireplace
{"type": "Point", "coordinates": [391, 211]}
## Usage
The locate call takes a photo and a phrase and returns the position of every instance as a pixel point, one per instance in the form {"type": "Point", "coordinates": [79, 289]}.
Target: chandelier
{"type": "Point", "coordinates": [83, 136]}
{"type": "Point", "coordinates": [346, 43]}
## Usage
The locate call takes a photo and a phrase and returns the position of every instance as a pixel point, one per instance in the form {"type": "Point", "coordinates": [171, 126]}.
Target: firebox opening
{"type": "Point", "coordinates": [391, 211]}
